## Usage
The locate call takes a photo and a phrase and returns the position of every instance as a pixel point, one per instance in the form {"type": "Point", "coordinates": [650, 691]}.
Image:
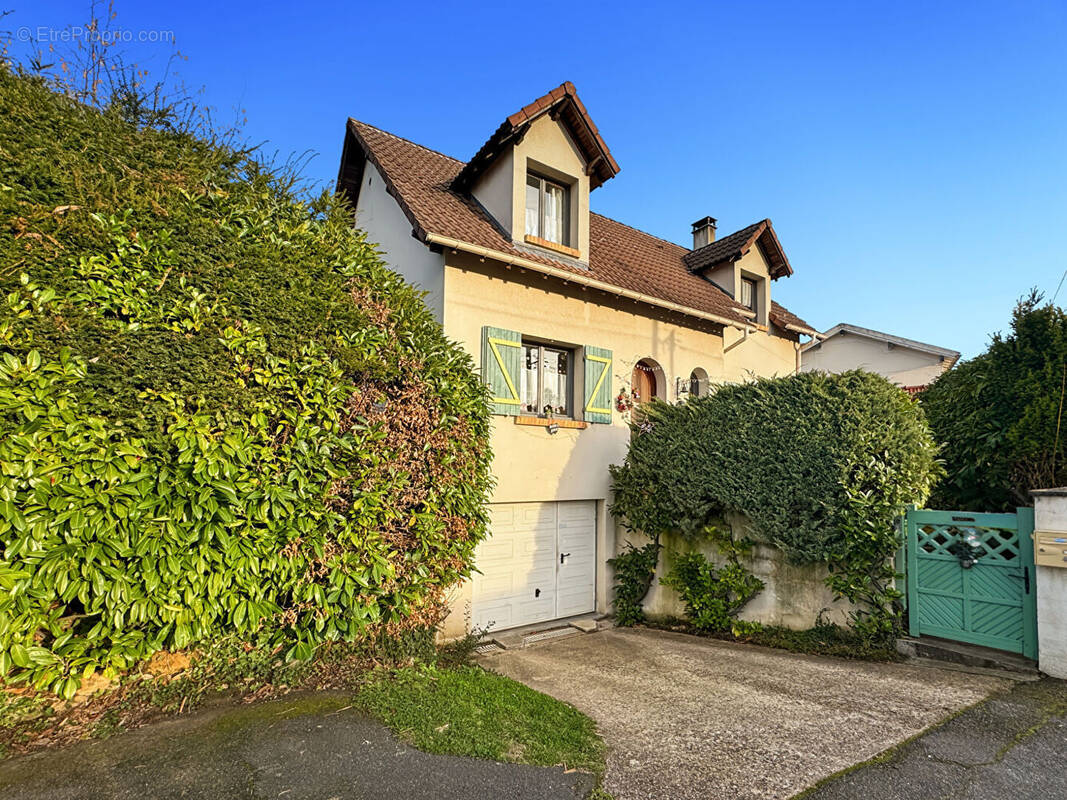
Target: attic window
{"type": "Point", "coordinates": [748, 293]}
{"type": "Point", "coordinates": [547, 210]}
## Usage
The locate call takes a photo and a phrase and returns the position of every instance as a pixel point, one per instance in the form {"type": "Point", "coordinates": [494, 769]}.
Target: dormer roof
{"type": "Point", "coordinates": [736, 245]}
{"type": "Point", "coordinates": [634, 262]}
{"type": "Point", "coordinates": [564, 105]}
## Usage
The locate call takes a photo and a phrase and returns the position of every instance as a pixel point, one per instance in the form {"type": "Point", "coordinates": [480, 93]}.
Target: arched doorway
{"type": "Point", "coordinates": [646, 380]}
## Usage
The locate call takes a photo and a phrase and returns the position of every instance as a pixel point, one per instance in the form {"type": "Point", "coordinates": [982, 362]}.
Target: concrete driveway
{"type": "Point", "coordinates": [688, 717]}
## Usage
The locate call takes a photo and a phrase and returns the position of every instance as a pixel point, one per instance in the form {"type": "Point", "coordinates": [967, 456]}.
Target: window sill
{"type": "Point", "coordinates": [544, 422]}
{"type": "Point", "coordinates": [559, 248]}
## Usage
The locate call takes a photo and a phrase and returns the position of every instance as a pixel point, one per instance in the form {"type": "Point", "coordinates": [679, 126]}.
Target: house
{"type": "Point", "coordinates": [906, 362]}
{"type": "Point", "coordinates": [563, 310]}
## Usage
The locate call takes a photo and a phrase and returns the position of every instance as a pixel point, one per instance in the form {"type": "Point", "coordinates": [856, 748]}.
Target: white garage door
{"type": "Point", "coordinates": [538, 564]}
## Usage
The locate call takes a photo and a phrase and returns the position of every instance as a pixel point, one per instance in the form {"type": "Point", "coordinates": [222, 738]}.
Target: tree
{"type": "Point", "coordinates": [999, 416]}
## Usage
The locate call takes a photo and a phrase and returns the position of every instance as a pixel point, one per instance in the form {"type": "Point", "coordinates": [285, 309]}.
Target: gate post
{"type": "Point", "coordinates": [912, 571]}
{"type": "Point", "coordinates": [1050, 517]}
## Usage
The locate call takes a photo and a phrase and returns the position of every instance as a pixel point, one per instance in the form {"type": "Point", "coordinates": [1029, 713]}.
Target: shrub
{"type": "Point", "coordinates": [635, 568]}
{"type": "Point", "coordinates": [1000, 415]}
{"type": "Point", "coordinates": [713, 596]}
{"type": "Point", "coordinates": [822, 466]}
{"type": "Point", "coordinates": [220, 412]}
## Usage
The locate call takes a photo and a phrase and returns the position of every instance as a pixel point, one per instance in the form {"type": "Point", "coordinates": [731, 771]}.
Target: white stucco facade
{"type": "Point", "coordinates": [386, 226]}
{"type": "Point", "coordinates": [496, 296]}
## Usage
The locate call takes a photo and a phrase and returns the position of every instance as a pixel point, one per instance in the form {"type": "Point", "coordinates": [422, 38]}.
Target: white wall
{"type": "Point", "coordinates": [495, 191]}
{"type": "Point", "coordinates": [793, 596]}
{"type": "Point", "coordinates": [381, 217]}
{"type": "Point", "coordinates": [845, 351]}
{"type": "Point", "coordinates": [1050, 515]}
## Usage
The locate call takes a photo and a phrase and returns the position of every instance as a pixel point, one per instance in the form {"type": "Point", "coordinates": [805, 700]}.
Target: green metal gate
{"type": "Point", "coordinates": [971, 578]}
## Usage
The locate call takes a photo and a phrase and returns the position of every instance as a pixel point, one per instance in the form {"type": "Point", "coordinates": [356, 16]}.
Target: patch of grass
{"type": "Point", "coordinates": [433, 699]}
{"type": "Point", "coordinates": [469, 711]}
{"type": "Point", "coordinates": [227, 668]}
{"type": "Point", "coordinates": [821, 640]}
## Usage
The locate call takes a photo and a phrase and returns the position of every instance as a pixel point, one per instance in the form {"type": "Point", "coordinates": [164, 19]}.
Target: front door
{"type": "Point", "coordinates": [538, 564]}
{"type": "Point", "coordinates": [971, 578]}
{"type": "Point", "coordinates": [643, 381]}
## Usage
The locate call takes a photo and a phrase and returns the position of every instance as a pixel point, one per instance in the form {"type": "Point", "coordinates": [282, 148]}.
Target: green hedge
{"type": "Point", "coordinates": [1001, 415]}
{"type": "Point", "coordinates": [219, 411]}
{"type": "Point", "coordinates": [822, 466]}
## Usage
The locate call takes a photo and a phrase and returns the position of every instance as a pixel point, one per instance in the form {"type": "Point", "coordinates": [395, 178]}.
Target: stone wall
{"type": "Point", "coordinates": [794, 596]}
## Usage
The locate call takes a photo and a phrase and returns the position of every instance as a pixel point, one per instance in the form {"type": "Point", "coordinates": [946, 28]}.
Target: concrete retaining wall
{"type": "Point", "coordinates": [794, 596]}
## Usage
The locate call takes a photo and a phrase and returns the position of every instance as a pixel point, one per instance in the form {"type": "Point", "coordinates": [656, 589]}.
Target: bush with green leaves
{"type": "Point", "coordinates": [1000, 415]}
{"type": "Point", "coordinates": [634, 570]}
{"type": "Point", "coordinates": [713, 595]}
{"type": "Point", "coordinates": [821, 465]}
{"type": "Point", "coordinates": [220, 412]}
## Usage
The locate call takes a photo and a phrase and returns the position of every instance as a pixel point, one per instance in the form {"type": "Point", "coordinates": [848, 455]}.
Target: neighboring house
{"type": "Point", "coordinates": [910, 364]}
{"type": "Point", "coordinates": [562, 309]}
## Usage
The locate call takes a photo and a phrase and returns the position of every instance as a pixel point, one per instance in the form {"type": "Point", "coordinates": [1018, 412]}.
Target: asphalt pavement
{"type": "Point", "coordinates": [295, 749]}
{"type": "Point", "coordinates": [1012, 746]}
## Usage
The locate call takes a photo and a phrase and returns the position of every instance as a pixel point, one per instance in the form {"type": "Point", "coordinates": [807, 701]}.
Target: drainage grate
{"type": "Point", "coordinates": [552, 634]}
{"type": "Point", "coordinates": [487, 648]}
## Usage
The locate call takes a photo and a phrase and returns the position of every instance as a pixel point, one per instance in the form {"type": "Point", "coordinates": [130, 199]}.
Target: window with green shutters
{"type": "Point", "coordinates": [501, 362]}
{"type": "Point", "coordinates": [597, 406]}
{"type": "Point", "coordinates": [503, 354]}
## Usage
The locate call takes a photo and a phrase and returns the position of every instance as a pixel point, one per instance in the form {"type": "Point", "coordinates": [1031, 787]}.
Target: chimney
{"type": "Point", "coordinates": [703, 232]}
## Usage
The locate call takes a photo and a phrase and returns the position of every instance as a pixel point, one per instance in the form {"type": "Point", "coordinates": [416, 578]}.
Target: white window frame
{"type": "Point", "coordinates": [543, 182]}
{"type": "Point", "coordinates": [571, 365]}
{"type": "Point", "coordinates": [752, 284]}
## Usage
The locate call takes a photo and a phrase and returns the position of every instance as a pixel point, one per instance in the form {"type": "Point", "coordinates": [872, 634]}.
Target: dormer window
{"type": "Point", "coordinates": [748, 293]}
{"type": "Point", "coordinates": [547, 210]}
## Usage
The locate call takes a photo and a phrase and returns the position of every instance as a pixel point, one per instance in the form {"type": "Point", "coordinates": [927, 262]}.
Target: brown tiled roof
{"type": "Point", "coordinates": [782, 316]}
{"type": "Point", "coordinates": [564, 102]}
{"type": "Point", "coordinates": [421, 180]}
{"type": "Point", "coordinates": [734, 246]}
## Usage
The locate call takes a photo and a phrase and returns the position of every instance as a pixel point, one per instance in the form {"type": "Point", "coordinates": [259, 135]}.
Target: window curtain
{"type": "Point", "coordinates": [553, 214]}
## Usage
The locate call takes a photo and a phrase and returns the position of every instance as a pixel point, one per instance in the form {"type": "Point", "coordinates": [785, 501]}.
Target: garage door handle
{"type": "Point", "coordinates": [563, 556]}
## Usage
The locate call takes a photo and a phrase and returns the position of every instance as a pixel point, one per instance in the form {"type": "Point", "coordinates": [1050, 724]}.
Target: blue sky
{"type": "Point", "coordinates": [911, 155]}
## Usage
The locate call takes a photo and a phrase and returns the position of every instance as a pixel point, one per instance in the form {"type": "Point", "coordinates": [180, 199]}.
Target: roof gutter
{"type": "Point", "coordinates": [806, 331]}
{"type": "Point", "coordinates": [581, 280]}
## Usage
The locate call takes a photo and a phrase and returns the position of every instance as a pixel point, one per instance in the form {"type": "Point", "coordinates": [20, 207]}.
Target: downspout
{"type": "Point", "coordinates": [742, 340]}
{"type": "Point", "coordinates": [815, 337]}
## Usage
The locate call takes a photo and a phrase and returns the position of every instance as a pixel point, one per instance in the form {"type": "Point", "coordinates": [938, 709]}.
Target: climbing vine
{"type": "Point", "coordinates": [714, 595]}
{"type": "Point", "coordinates": [635, 569]}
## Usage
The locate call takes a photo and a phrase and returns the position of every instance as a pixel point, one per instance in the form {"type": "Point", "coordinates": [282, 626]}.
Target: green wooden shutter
{"type": "Point", "coordinates": [501, 363]}
{"type": "Point", "coordinates": [598, 385]}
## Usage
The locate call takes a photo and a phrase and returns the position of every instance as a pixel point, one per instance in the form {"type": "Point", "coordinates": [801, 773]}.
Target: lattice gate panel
{"type": "Point", "coordinates": [970, 578]}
